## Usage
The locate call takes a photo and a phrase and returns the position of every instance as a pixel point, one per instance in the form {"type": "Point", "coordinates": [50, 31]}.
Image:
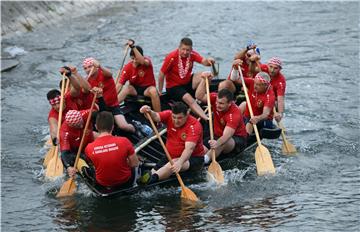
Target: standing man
{"type": "Point", "coordinates": [181, 83]}
{"type": "Point", "coordinates": [102, 78]}
{"type": "Point", "coordinates": [139, 72]}
{"type": "Point", "coordinates": [278, 84]}
{"type": "Point", "coordinates": [113, 157]}
{"type": "Point", "coordinates": [184, 142]}
{"type": "Point", "coordinates": [229, 129]}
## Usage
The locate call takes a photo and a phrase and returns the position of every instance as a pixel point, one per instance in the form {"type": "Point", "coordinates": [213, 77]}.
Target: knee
{"type": "Point", "coordinates": [152, 91]}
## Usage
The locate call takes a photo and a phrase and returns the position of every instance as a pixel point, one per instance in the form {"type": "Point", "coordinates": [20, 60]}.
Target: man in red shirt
{"type": "Point", "coordinates": [113, 157]}
{"type": "Point", "coordinates": [262, 100]}
{"type": "Point", "coordinates": [229, 128]}
{"type": "Point", "coordinates": [139, 72]}
{"type": "Point", "coordinates": [184, 142]}
{"type": "Point", "coordinates": [278, 84]}
{"type": "Point", "coordinates": [180, 82]}
{"type": "Point", "coordinates": [102, 78]}
{"type": "Point", "coordinates": [248, 59]}
{"type": "Point", "coordinates": [70, 137]}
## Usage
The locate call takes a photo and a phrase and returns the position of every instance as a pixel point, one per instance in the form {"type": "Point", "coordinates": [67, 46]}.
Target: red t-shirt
{"type": "Point", "coordinates": [69, 105]}
{"type": "Point", "coordinates": [170, 68]}
{"type": "Point", "coordinates": [141, 75]}
{"type": "Point", "coordinates": [191, 131]}
{"type": "Point", "coordinates": [70, 137]}
{"type": "Point", "coordinates": [278, 82]}
{"type": "Point", "coordinates": [83, 100]}
{"type": "Point", "coordinates": [259, 101]}
{"type": "Point", "coordinates": [108, 86]}
{"type": "Point", "coordinates": [109, 155]}
{"type": "Point", "coordinates": [231, 118]}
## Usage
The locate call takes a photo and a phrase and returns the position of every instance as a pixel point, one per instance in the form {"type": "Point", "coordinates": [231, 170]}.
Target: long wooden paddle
{"type": "Point", "coordinates": [55, 166]}
{"type": "Point", "coordinates": [186, 193]}
{"type": "Point", "coordinates": [287, 147]}
{"type": "Point", "coordinates": [264, 163]}
{"type": "Point", "coordinates": [51, 152]}
{"type": "Point", "coordinates": [69, 187]}
{"type": "Point", "coordinates": [214, 168]}
{"type": "Point", "coordinates": [122, 64]}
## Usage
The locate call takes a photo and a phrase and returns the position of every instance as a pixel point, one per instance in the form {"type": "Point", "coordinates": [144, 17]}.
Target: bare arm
{"type": "Point", "coordinates": [140, 57]}
{"type": "Point", "coordinates": [281, 104]}
{"type": "Point", "coordinates": [161, 82]}
{"type": "Point", "coordinates": [133, 160]}
{"type": "Point", "coordinates": [154, 115]}
{"type": "Point", "coordinates": [188, 150]}
{"type": "Point", "coordinates": [207, 61]}
{"type": "Point", "coordinates": [240, 54]}
{"type": "Point", "coordinates": [227, 134]}
{"type": "Point", "coordinates": [53, 127]}
{"type": "Point", "coordinates": [200, 93]}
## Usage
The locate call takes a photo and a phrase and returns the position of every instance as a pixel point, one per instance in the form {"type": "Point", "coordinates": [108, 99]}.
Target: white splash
{"type": "Point", "coordinates": [14, 51]}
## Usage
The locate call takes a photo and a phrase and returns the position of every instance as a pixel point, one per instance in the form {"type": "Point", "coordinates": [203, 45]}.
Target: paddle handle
{"type": "Point", "coordinates": [164, 147]}
{"type": "Point", "coordinates": [84, 132]}
{"type": "Point", "coordinates": [211, 129]}
{"type": "Point", "coordinates": [122, 64]}
{"type": "Point", "coordinates": [282, 130]}
{"type": "Point", "coordinates": [62, 97]}
{"type": "Point", "coordinates": [249, 105]}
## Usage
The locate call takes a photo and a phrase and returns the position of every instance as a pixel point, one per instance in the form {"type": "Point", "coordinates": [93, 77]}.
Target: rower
{"type": "Point", "coordinates": [54, 97]}
{"type": "Point", "coordinates": [278, 83]}
{"type": "Point", "coordinates": [101, 77]}
{"type": "Point", "coordinates": [248, 58]}
{"type": "Point", "coordinates": [113, 157]}
{"type": "Point", "coordinates": [140, 74]}
{"type": "Point", "coordinates": [70, 137]}
{"type": "Point", "coordinates": [181, 83]}
{"type": "Point", "coordinates": [229, 128]}
{"type": "Point", "coordinates": [262, 101]}
{"type": "Point", "coordinates": [184, 143]}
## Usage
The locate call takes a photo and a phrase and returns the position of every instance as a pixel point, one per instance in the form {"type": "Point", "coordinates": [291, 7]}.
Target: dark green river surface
{"type": "Point", "coordinates": [316, 190]}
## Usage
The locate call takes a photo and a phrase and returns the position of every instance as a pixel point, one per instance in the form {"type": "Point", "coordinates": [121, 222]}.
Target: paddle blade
{"type": "Point", "coordinates": [48, 142]}
{"type": "Point", "coordinates": [54, 168]}
{"type": "Point", "coordinates": [189, 195]}
{"type": "Point", "coordinates": [49, 155]}
{"type": "Point", "coordinates": [216, 172]}
{"type": "Point", "coordinates": [67, 189]}
{"type": "Point", "coordinates": [288, 148]}
{"type": "Point", "coordinates": [264, 163]}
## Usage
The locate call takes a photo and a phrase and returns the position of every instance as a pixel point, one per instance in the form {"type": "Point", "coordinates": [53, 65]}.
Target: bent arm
{"type": "Point", "coordinates": [53, 127]}
{"type": "Point", "coordinates": [161, 81]}
{"type": "Point", "coordinates": [227, 134]}
{"type": "Point", "coordinates": [186, 154]}
{"type": "Point", "coordinates": [133, 160]}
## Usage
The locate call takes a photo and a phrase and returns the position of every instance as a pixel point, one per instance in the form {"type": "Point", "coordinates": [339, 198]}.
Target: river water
{"type": "Point", "coordinates": [316, 190]}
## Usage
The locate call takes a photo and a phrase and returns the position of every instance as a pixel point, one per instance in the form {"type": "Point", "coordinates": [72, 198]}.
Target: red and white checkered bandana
{"type": "Point", "coordinates": [275, 61]}
{"type": "Point", "coordinates": [263, 77]}
{"type": "Point", "coordinates": [88, 62]}
{"type": "Point", "coordinates": [55, 100]}
{"type": "Point", "coordinates": [74, 118]}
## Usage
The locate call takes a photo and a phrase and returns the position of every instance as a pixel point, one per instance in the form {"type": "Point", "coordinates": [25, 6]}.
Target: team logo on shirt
{"type": "Point", "coordinates": [141, 73]}
{"type": "Point", "coordinates": [101, 85]}
{"type": "Point", "coordinates": [183, 136]}
{"type": "Point", "coordinates": [259, 103]}
{"type": "Point", "coordinates": [222, 122]}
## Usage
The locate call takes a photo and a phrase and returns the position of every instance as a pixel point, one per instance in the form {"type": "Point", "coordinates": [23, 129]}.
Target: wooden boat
{"type": "Point", "coordinates": [152, 152]}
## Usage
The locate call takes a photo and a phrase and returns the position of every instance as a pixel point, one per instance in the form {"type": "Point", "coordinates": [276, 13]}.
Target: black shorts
{"type": "Point", "coordinates": [176, 93]}
{"type": "Point", "coordinates": [115, 110]}
{"type": "Point", "coordinates": [240, 144]}
{"type": "Point", "coordinates": [140, 89]}
{"type": "Point", "coordinates": [196, 163]}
